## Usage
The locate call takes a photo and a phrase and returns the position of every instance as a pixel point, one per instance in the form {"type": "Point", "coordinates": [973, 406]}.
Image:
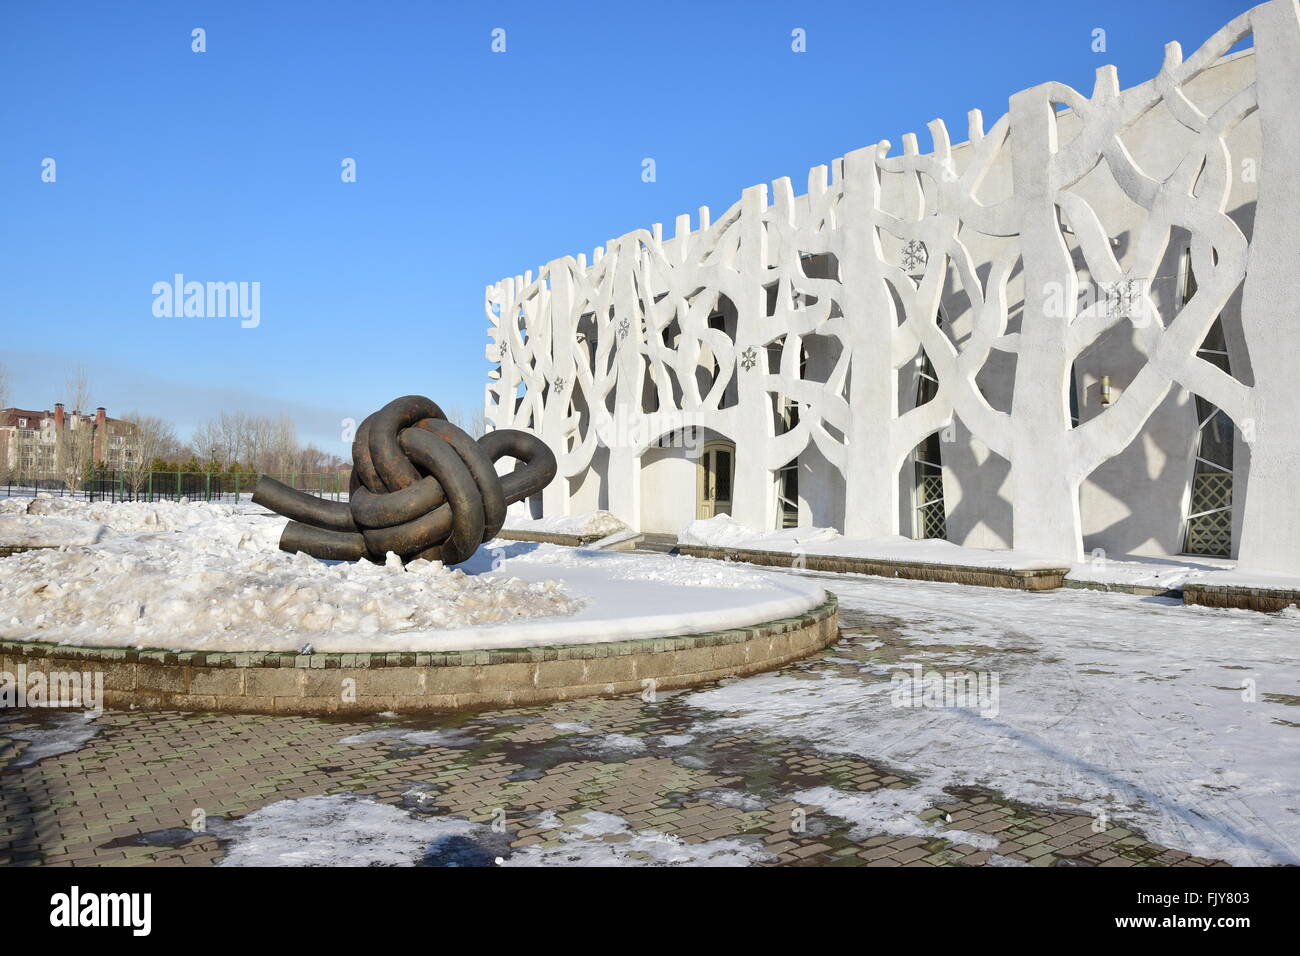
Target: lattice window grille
{"type": "Point", "coordinates": [929, 510]}
{"type": "Point", "coordinates": [1209, 526]}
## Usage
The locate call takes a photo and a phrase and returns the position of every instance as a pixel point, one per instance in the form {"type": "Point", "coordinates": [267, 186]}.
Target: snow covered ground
{"type": "Point", "coordinates": [1180, 722]}
{"type": "Point", "coordinates": [1165, 573]}
{"type": "Point", "coordinates": [211, 577]}
{"type": "Point", "coordinates": [724, 532]}
{"type": "Point", "coordinates": [1184, 721]}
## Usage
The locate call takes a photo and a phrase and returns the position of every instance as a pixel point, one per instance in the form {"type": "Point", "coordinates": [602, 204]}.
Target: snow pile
{"type": "Point", "coordinates": [724, 532]}
{"type": "Point", "coordinates": [587, 524]}
{"type": "Point", "coordinates": [124, 517]}
{"type": "Point", "coordinates": [38, 531]}
{"type": "Point", "coordinates": [212, 577]}
{"type": "Point", "coordinates": [209, 576]}
{"type": "Point", "coordinates": [221, 586]}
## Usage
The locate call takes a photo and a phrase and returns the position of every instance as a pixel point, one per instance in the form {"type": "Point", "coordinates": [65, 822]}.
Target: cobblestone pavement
{"type": "Point", "coordinates": [601, 780]}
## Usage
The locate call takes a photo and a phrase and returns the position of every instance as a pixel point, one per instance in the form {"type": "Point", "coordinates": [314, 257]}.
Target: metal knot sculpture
{"type": "Point", "coordinates": [421, 488]}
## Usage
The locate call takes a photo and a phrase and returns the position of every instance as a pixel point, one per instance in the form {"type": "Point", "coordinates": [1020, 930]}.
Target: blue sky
{"type": "Point", "coordinates": [471, 165]}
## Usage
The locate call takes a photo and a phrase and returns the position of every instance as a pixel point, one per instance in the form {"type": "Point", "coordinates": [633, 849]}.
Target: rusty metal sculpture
{"type": "Point", "coordinates": [421, 488]}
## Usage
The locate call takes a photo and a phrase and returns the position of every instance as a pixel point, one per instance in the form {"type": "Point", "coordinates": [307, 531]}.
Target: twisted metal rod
{"type": "Point", "coordinates": [421, 488]}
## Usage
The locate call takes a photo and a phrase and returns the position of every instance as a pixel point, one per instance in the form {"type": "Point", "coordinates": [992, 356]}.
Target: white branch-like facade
{"type": "Point", "coordinates": [1077, 330]}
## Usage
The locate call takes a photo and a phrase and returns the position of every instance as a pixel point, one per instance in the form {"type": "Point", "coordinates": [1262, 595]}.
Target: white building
{"type": "Point", "coordinates": [1077, 330]}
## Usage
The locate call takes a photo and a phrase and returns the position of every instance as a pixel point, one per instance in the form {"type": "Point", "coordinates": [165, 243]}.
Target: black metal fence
{"type": "Point", "coordinates": [175, 485]}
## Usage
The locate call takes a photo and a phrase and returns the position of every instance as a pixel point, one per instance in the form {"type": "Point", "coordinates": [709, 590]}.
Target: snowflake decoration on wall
{"type": "Point", "coordinates": [915, 256]}
{"type": "Point", "coordinates": [1122, 298]}
{"type": "Point", "coordinates": [624, 327]}
{"type": "Point", "coordinates": [559, 386]}
{"type": "Point", "coordinates": [748, 358]}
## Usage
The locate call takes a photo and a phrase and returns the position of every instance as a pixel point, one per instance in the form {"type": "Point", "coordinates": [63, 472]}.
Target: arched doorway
{"type": "Point", "coordinates": [715, 479]}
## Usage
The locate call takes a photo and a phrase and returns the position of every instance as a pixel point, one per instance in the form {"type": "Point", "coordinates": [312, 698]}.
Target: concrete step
{"type": "Point", "coordinates": [658, 543]}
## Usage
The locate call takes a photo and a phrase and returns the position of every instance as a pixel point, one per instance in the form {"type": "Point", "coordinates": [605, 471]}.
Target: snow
{"type": "Point", "coordinates": [1148, 572]}
{"type": "Point", "coordinates": [723, 531]}
{"type": "Point", "coordinates": [638, 595]}
{"type": "Point", "coordinates": [349, 830]}
{"type": "Point", "coordinates": [1179, 720]}
{"type": "Point", "coordinates": [37, 531]}
{"type": "Point", "coordinates": [1165, 573]}
{"type": "Point", "coordinates": [413, 738]}
{"type": "Point", "coordinates": [612, 745]}
{"type": "Point", "coordinates": [211, 577]}
{"type": "Point", "coordinates": [342, 830]}
{"type": "Point", "coordinates": [1173, 573]}
{"type": "Point", "coordinates": [62, 733]}
{"type": "Point", "coordinates": [1250, 578]}
{"type": "Point", "coordinates": [888, 811]}
{"type": "Point", "coordinates": [587, 524]}
{"type": "Point", "coordinates": [131, 516]}
{"type": "Point", "coordinates": [605, 839]}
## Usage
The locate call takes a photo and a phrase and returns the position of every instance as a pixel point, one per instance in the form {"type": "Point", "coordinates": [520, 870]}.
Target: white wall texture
{"type": "Point", "coordinates": [1056, 244]}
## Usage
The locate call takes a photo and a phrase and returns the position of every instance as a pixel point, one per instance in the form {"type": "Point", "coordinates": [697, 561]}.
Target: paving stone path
{"type": "Point", "coordinates": [123, 789]}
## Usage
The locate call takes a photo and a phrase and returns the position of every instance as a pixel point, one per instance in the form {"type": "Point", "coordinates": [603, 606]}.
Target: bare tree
{"type": "Point", "coordinates": [472, 423]}
{"type": "Point", "coordinates": [264, 444]}
{"type": "Point", "coordinates": [149, 438]}
{"type": "Point", "coordinates": [22, 470]}
{"type": "Point", "coordinates": [271, 445]}
{"type": "Point", "coordinates": [283, 450]}
{"type": "Point", "coordinates": [77, 437]}
{"type": "Point", "coordinates": [227, 438]}
{"type": "Point", "coordinates": [171, 448]}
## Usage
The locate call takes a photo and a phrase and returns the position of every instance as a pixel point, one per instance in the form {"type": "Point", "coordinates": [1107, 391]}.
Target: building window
{"type": "Point", "coordinates": [1209, 515]}
{"type": "Point", "coordinates": [787, 495]}
{"type": "Point", "coordinates": [928, 520]}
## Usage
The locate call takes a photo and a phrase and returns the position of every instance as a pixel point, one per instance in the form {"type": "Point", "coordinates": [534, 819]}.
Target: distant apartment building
{"type": "Point", "coordinates": [47, 444]}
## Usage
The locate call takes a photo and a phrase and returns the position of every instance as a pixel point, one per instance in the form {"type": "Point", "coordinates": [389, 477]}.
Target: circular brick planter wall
{"type": "Point", "coordinates": [269, 682]}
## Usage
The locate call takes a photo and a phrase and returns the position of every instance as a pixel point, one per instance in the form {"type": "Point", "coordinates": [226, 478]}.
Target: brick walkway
{"type": "Point", "coordinates": [128, 794]}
